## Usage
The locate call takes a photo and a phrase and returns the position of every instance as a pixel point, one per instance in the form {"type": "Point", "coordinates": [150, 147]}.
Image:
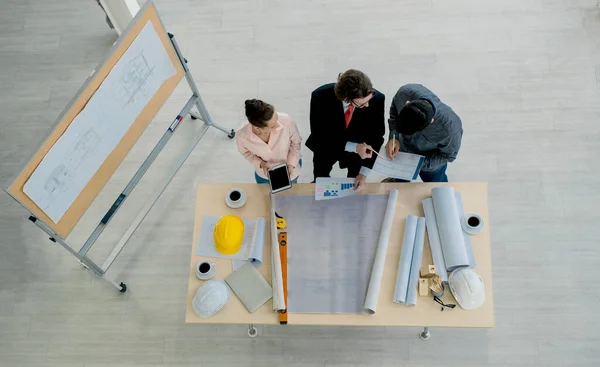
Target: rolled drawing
{"type": "Point", "coordinates": [404, 265]}
{"type": "Point", "coordinates": [466, 236]}
{"type": "Point", "coordinates": [379, 262]}
{"type": "Point", "coordinates": [276, 276]}
{"type": "Point", "coordinates": [434, 240]}
{"type": "Point", "coordinates": [258, 242]}
{"type": "Point", "coordinates": [449, 227]}
{"type": "Point", "coordinates": [417, 257]}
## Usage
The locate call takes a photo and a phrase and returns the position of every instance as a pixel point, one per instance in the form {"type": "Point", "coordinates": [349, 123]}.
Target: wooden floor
{"type": "Point", "coordinates": [522, 74]}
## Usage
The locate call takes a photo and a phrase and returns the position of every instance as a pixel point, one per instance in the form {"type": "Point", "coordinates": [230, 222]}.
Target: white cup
{"type": "Point", "coordinates": [472, 223]}
{"type": "Point", "coordinates": [235, 198]}
{"type": "Point", "coordinates": [205, 269]}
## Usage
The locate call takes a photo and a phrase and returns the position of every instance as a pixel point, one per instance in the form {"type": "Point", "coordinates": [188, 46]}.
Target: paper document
{"type": "Point", "coordinates": [406, 166]}
{"type": "Point", "coordinates": [333, 188]}
{"type": "Point", "coordinates": [252, 244]}
{"type": "Point", "coordinates": [331, 250]}
{"type": "Point", "coordinates": [95, 132]}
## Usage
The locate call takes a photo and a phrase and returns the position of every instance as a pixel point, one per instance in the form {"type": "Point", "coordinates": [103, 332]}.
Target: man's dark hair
{"type": "Point", "coordinates": [258, 112]}
{"type": "Point", "coordinates": [414, 117]}
{"type": "Point", "coordinates": [353, 84]}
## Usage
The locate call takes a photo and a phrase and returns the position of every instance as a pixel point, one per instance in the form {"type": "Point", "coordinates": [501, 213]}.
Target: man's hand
{"type": "Point", "coordinates": [360, 182]}
{"type": "Point", "coordinates": [392, 148]}
{"type": "Point", "coordinates": [364, 150]}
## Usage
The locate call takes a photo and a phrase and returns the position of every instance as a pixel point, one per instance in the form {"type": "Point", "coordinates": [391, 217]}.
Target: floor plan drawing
{"type": "Point", "coordinates": [95, 132]}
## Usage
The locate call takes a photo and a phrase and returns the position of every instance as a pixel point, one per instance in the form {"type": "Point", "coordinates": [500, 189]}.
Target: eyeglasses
{"type": "Point", "coordinates": [372, 93]}
{"type": "Point", "coordinates": [438, 300]}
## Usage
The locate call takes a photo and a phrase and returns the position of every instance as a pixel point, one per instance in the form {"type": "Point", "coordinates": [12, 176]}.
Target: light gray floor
{"type": "Point", "coordinates": [523, 75]}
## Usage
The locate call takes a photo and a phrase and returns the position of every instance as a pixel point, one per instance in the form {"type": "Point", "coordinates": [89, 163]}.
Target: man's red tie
{"type": "Point", "coordinates": [348, 114]}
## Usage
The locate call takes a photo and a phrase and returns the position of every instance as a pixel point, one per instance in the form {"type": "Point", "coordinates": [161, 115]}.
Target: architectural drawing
{"type": "Point", "coordinates": [95, 132]}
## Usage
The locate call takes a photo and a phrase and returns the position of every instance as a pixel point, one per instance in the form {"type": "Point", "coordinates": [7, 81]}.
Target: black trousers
{"type": "Point", "coordinates": [323, 163]}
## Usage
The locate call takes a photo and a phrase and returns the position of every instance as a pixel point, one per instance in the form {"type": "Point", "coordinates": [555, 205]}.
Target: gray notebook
{"type": "Point", "coordinates": [250, 287]}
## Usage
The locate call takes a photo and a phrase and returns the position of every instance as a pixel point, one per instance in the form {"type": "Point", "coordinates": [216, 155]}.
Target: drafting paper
{"type": "Point", "coordinates": [333, 188]}
{"type": "Point", "coordinates": [206, 242]}
{"type": "Point", "coordinates": [434, 240]}
{"type": "Point", "coordinates": [331, 248]}
{"type": "Point", "coordinates": [406, 254]}
{"type": "Point", "coordinates": [95, 132]}
{"type": "Point", "coordinates": [276, 272]}
{"type": "Point", "coordinates": [405, 166]}
{"type": "Point", "coordinates": [449, 228]}
{"type": "Point", "coordinates": [417, 259]}
{"type": "Point", "coordinates": [379, 262]}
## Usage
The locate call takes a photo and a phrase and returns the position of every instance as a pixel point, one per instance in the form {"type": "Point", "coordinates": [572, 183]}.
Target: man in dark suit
{"type": "Point", "coordinates": [346, 124]}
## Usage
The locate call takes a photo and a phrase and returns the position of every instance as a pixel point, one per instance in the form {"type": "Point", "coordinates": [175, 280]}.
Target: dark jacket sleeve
{"type": "Point", "coordinates": [375, 134]}
{"type": "Point", "coordinates": [315, 141]}
{"type": "Point", "coordinates": [447, 151]}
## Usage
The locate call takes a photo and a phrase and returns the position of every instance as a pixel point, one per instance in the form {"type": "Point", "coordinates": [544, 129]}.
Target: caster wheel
{"type": "Point", "coordinates": [424, 335]}
{"type": "Point", "coordinates": [253, 332]}
{"type": "Point", "coordinates": [231, 134]}
{"type": "Point", "coordinates": [123, 288]}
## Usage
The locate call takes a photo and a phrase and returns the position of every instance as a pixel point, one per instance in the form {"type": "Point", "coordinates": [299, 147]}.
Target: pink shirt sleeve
{"type": "Point", "coordinates": [245, 152]}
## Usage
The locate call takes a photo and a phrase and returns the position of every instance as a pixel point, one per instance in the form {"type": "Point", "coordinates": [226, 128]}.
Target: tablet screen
{"type": "Point", "coordinates": [279, 178]}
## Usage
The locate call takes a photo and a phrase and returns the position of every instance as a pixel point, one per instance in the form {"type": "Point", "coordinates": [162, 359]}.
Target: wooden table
{"type": "Point", "coordinates": [211, 201]}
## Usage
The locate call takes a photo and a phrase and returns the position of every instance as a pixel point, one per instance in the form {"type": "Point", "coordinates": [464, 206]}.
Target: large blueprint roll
{"type": "Point", "coordinates": [449, 228]}
{"type": "Point", "coordinates": [379, 262]}
{"type": "Point", "coordinates": [404, 266]}
{"type": "Point", "coordinates": [434, 240]}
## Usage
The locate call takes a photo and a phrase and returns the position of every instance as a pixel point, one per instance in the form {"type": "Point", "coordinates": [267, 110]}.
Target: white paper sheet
{"type": "Point", "coordinates": [417, 259]}
{"type": "Point", "coordinates": [251, 244]}
{"type": "Point", "coordinates": [332, 188]}
{"type": "Point", "coordinates": [99, 127]}
{"type": "Point", "coordinates": [434, 240]}
{"type": "Point", "coordinates": [276, 272]}
{"type": "Point", "coordinates": [331, 250]}
{"type": "Point", "coordinates": [406, 254]}
{"type": "Point", "coordinates": [379, 262]}
{"type": "Point", "coordinates": [450, 230]}
{"type": "Point", "coordinates": [405, 166]}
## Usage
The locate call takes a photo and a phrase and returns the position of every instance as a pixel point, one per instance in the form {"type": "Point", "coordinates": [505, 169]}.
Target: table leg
{"type": "Point", "coordinates": [424, 334]}
{"type": "Point", "coordinates": [252, 331]}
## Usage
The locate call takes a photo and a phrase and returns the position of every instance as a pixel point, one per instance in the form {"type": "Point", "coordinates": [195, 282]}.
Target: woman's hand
{"type": "Point", "coordinates": [265, 167]}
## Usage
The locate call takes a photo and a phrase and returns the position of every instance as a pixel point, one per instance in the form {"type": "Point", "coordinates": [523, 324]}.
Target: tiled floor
{"type": "Point", "coordinates": [523, 75]}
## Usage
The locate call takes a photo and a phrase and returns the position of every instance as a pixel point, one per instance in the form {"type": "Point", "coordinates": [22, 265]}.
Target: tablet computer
{"type": "Point", "coordinates": [279, 178]}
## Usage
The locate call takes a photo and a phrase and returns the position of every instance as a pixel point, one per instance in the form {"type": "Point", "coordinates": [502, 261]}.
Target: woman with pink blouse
{"type": "Point", "coordinates": [270, 138]}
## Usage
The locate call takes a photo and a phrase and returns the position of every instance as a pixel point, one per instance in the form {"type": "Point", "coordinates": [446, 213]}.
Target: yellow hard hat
{"type": "Point", "coordinates": [229, 233]}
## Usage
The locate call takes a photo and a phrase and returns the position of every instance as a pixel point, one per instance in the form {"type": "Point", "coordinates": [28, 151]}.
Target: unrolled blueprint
{"type": "Point", "coordinates": [331, 249]}
{"type": "Point", "coordinates": [95, 132]}
{"type": "Point", "coordinates": [405, 166]}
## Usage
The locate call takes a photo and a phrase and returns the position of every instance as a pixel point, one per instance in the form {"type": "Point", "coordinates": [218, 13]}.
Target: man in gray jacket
{"type": "Point", "coordinates": [421, 123]}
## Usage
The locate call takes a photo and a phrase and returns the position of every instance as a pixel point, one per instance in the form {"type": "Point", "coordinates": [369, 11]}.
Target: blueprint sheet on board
{"type": "Point", "coordinates": [331, 248]}
{"type": "Point", "coordinates": [99, 127]}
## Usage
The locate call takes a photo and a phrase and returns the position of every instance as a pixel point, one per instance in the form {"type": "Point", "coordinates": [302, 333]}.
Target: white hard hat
{"type": "Point", "coordinates": [210, 298]}
{"type": "Point", "coordinates": [467, 288]}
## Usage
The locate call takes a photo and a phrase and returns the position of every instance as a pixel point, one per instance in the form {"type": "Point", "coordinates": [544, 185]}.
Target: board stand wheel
{"type": "Point", "coordinates": [252, 331]}
{"type": "Point", "coordinates": [425, 334]}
